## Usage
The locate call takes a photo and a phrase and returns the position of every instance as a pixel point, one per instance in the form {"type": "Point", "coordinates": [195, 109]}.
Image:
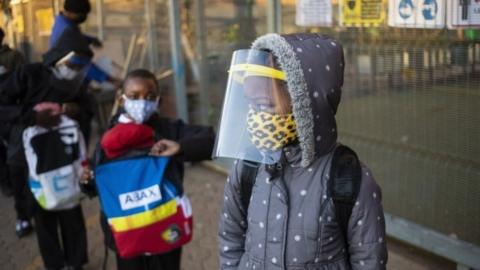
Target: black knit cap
{"type": "Point", "coordinates": [77, 6]}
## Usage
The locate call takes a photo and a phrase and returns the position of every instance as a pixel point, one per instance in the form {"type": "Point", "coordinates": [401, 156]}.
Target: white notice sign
{"type": "Point", "coordinates": [463, 13]}
{"type": "Point", "coordinates": [314, 13]}
{"type": "Point", "coordinates": [416, 13]}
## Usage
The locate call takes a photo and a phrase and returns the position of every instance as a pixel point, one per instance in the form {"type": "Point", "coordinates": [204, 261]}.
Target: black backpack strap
{"type": "Point", "coordinates": [346, 177]}
{"type": "Point", "coordinates": [248, 174]}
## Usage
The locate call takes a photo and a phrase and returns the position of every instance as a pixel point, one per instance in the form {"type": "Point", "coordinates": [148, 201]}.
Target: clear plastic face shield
{"type": "Point", "coordinates": [69, 74]}
{"type": "Point", "coordinates": [256, 120]}
{"type": "Point", "coordinates": [72, 67]}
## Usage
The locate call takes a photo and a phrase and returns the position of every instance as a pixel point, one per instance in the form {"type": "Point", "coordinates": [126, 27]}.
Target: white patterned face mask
{"type": "Point", "coordinates": [65, 73]}
{"type": "Point", "coordinates": [139, 110]}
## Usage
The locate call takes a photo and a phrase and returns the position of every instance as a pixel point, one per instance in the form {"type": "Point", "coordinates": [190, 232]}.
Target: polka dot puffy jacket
{"type": "Point", "coordinates": [290, 222]}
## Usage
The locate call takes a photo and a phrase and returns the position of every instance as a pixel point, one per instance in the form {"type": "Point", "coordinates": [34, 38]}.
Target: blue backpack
{"type": "Point", "coordinates": [145, 211]}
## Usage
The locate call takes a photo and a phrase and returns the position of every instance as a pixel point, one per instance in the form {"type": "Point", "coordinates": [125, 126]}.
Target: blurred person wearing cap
{"type": "Point", "coordinates": [66, 29]}
{"type": "Point", "coordinates": [74, 13]}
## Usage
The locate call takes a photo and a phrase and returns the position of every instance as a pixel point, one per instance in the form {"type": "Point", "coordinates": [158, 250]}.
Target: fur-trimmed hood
{"type": "Point", "coordinates": [314, 67]}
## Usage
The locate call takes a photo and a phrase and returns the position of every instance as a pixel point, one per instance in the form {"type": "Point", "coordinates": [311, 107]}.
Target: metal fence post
{"type": "Point", "coordinates": [178, 65]}
{"type": "Point", "coordinates": [12, 37]}
{"type": "Point", "coordinates": [32, 33]}
{"type": "Point", "coordinates": [100, 20]}
{"type": "Point", "coordinates": [201, 56]}
{"type": "Point", "coordinates": [150, 10]}
{"type": "Point", "coordinates": [274, 16]}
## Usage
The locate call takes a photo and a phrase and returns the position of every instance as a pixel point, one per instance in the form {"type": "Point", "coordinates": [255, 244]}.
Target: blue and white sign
{"type": "Point", "coordinates": [416, 13]}
{"type": "Point", "coordinates": [463, 13]}
{"type": "Point", "coordinates": [314, 13]}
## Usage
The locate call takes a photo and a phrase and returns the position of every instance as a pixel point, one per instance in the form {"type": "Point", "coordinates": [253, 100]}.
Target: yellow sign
{"type": "Point", "coordinates": [18, 24]}
{"type": "Point", "coordinates": [44, 19]}
{"type": "Point", "coordinates": [362, 12]}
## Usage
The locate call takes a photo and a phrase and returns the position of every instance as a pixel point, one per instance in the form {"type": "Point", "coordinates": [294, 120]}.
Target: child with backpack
{"type": "Point", "coordinates": [138, 171]}
{"type": "Point", "coordinates": [37, 136]}
{"type": "Point", "coordinates": [296, 198]}
{"type": "Point", "coordinates": [54, 155]}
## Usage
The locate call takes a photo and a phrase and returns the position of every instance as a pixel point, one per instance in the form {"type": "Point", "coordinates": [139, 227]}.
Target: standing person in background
{"type": "Point", "coordinates": [13, 175]}
{"type": "Point", "coordinates": [297, 199]}
{"type": "Point", "coordinates": [84, 104]}
{"type": "Point", "coordinates": [22, 90]}
{"type": "Point", "coordinates": [9, 59]}
{"type": "Point", "coordinates": [67, 36]}
{"type": "Point", "coordinates": [66, 29]}
{"type": "Point", "coordinates": [74, 13]}
{"type": "Point", "coordinates": [54, 181]}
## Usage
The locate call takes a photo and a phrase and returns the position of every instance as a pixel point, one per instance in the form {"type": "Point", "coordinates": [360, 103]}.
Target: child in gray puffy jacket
{"type": "Point", "coordinates": [298, 212]}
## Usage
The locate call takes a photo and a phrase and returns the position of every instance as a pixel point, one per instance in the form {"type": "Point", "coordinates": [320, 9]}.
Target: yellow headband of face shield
{"type": "Point", "coordinates": [258, 70]}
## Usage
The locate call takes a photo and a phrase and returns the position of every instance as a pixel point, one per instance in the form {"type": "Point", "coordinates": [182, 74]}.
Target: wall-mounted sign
{"type": "Point", "coordinates": [44, 19]}
{"type": "Point", "coordinates": [362, 12]}
{"type": "Point", "coordinates": [463, 13]}
{"type": "Point", "coordinates": [416, 13]}
{"type": "Point", "coordinates": [18, 24]}
{"type": "Point", "coordinates": [314, 13]}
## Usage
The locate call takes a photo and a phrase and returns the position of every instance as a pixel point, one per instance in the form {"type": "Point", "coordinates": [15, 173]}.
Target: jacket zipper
{"type": "Point", "coordinates": [285, 225]}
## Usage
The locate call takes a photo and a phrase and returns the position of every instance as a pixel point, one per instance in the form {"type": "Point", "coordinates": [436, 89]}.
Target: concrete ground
{"type": "Point", "coordinates": [205, 188]}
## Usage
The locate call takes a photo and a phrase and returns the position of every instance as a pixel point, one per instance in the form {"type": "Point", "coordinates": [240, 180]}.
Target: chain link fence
{"type": "Point", "coordinates": [409, 107]}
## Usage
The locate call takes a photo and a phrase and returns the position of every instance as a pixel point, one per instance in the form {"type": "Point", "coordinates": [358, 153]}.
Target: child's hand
{"type": "Point", "coordinates": [71, 109]}
{"type": "Point", "coordinates": [87, 175]}
{"type": "Point", "coordinates": [47, 118]}
{"type": "Point", "coordinates": [47, 114]}
{"type": "Point", "coordinates": [165, 148]}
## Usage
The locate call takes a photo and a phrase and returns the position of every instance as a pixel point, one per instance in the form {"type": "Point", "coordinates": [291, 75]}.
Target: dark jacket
{"type": "Point", "coordinates": [290, 223]}
{"type": "Point", "coordinates": [9, 58]}
{"type": "Point", "coordinates": [196, 145]}
{"type": "Point", "coordinates": [20, 91]}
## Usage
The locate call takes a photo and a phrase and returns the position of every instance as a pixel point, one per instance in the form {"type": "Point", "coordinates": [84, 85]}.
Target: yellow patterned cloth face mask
{"type": "Point", "coordinates": [270, 132]}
